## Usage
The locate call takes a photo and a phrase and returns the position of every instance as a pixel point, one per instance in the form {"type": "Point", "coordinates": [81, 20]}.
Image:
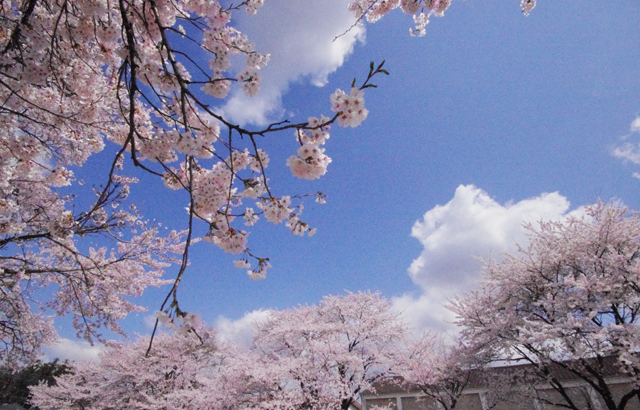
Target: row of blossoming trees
{"type": "Point", "coordinates": [569, 300]}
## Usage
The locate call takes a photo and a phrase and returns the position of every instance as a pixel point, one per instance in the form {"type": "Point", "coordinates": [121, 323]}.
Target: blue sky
{"type": "Point", "coordinates": [479, 119]}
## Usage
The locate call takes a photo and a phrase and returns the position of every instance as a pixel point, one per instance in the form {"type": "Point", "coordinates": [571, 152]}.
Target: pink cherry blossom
{"type": "Point", "coordinates": [567, 300]}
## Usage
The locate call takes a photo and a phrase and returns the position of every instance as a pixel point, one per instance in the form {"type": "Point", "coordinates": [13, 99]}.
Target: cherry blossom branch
{"type": "Point", "coordinates": [185, 261]}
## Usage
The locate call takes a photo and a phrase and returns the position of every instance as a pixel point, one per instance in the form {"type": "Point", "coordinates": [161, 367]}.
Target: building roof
{"type": "Point", "coordinates": [608, 367]}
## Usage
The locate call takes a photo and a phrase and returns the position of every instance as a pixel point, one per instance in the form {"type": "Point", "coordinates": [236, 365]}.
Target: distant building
{"type": "Point", "coordinates": [477, 394]}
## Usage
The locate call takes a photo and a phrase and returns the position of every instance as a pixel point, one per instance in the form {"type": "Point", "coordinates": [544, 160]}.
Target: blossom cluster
{"type": "Point", "coordinates": [181, 324]}
{"type": "Point", "coordinates": [311, 162]}
{"type": "Point", "coordinates": [527, 6]}
{"type": "Point", "coordinates": [422, 10]}
{"type": "Point", "coordinates": [350, 108]}
{"type": "Point", "coordinates": [373, 10]}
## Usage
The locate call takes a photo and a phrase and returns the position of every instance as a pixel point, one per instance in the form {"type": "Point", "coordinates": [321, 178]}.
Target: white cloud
{"type": "Point", "coordinates": [299, 35]}
{"type": "Point", "coordinates": [76, 350]}
{"type": "Point", "coordinates": [629, 151]}
{"type": "Point", "coordinates": [470, 226]}
{"type": "Point", "coordinates": [239, 331]}
{"type": "Point", "coordinates": [426, 311]}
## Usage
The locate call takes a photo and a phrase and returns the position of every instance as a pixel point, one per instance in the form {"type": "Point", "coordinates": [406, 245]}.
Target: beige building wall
{"type": "Point", "coordinates": [474, 399]}
{"type": "Point", "coordinates": [414, 401]}
{"type": "Point", "coordinates": [419, 403]}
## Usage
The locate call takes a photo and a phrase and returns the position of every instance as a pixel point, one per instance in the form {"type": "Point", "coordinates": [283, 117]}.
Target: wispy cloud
{"type": "Point", "coordinates": [299, 35]}
{"type": "Point", "coordinates": [454, 236]}
{"type": "Point", "coordinates": [630, 151]}
{"type": "Point", "coordinates": [75, 350]}
{"type": "Point", "coordinates": [241, 330]}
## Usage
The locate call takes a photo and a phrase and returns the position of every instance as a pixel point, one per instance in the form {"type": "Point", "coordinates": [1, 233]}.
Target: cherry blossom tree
{"type": "Point", "coordinates": [570, 300]}
{"type": "Point", "coordinates": [184, 370]}
{"type": "Point", "coordinates": [324, 356]}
